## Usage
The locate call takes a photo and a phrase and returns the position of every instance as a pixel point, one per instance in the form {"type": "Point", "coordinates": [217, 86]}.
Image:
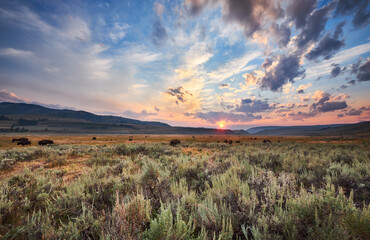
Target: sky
{"type": "Point", "coordinates": [191, 62]}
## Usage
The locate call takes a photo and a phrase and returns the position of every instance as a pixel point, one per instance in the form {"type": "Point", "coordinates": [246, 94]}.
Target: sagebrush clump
{"type": "Point", "coordinates": [193, 191]}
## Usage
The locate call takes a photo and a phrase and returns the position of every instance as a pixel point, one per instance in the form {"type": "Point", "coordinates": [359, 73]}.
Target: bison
{"type": "Point", "coordinates": [226, 141]}
{"type": "Point", "coordinates": [45, 142]}
{"type": "Point", "coordinates": [175, 142]}
{"type": "Point", "coordinates": [23, 143]}
{"type": "Point", "coordinates": [94, 138]}
{"type": "Point", "coordinates": [19, 139]}
{"type": "Point", "coordinates": [266, 140]}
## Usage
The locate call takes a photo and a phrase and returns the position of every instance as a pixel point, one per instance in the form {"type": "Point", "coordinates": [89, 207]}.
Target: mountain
{"type": "Point", "coordinates": [356, 129]}
{"type": "Point", "coordinates": [31, 118]}
{"type": "Point", "coordinates": [7, 108]}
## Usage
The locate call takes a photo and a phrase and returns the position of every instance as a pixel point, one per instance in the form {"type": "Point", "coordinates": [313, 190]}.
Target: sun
{"type": "Point", "coordinates": [221, 124]}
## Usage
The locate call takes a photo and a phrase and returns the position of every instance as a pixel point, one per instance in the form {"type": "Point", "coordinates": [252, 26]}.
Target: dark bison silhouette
{"type": "Point", "coordinates": [266, 140]}
{"type": "Point", "coordinates": [23, 143]}
{"type": "Point", "coordinates": [226, 141]}
{"type": "Point", "coordinates": [94, 138]}
{"type": "Point", "coordinates": [175, 142]}
{"type": "Point", "coordinates": [230, 141]}
{"type": "Point", "coordinates": [19, 139]}
{"type": "Point", "coordinates": [45, 142]}
{"type": "Point", "coordinates": [237, 141]}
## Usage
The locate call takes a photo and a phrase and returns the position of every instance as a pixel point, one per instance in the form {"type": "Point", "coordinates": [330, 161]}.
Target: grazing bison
{"type": "Point", "coordinates": [266, 140]}
{"type": "Point", "coordinates": [237, 141]}
{"type": "Point", "coordinates": [45, 142]}
{"type": "Point", "coordinates": [94, 138]}
{"type": "Point", "coordinates": [230, 141]}
{"type": "Point", "coordinates": [19, 139]}
{"type": "Point", "coordinates": [226, 141]}
{"type": "Point", "coordinates": [23, 143]}
{"type": "Point", "coordinates": [130, 139]}
{"type": "Point", "coordinates": [175, 142]}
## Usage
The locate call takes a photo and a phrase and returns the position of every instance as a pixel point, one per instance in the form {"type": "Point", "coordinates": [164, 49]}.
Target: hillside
{"type": "Point", "coordinates": [7, 108]}
{"type": "Point", "coordinates": [356, 129]}
{"type": "Point", "coordinates": [31, 118]}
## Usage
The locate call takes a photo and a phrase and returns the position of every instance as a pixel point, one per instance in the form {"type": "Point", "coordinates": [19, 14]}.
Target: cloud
{"type": "Point", "coordinates": [251, 14]}
{"type": "Point", "coordinates": [143, 113]}
{"type": "Point", "coordinates": [158, 8]}
{"type": "Point", "coordinates": [350, 112]}
{"type": "Point", "coordinates": [324, 102]}
{"type": "Point", "coordinates": [118, 32]}
{"type": "Point", "coordinates": [363, 72]}
{"type": "Point", "coordinates": [11, 52]}
{"type": "Point", "coordinates": [336, 70]}
{"type": "Point", "coordinates": [315, 24]}
{"type": "Point", "coordinates": [7, 96]}
{"type": "Point", "coordinates": [359, 8]}
{"type": "Point", "coordinates": [195, 7]}
{"type": "Point", "coordinates": [253, 106]}
{"type": "Point", "coordinates": [282, 33]}
{"type": "Point", "coordinates": [180, 93]}
{"type": "Point", "coordinates": [214, 117]}
{"type": "Point", "coordinates": [303, 87]}
{"type": "Point", "coordinates": [282, 70]}
{"type": "Point", "coordinates": [328, 45]}
{"type": "Point", "coordinates": [159, 34]}
{"type": "Point", "coordinates": [299, 10]}
{"type": "Point", "coordinates": [233, 67]}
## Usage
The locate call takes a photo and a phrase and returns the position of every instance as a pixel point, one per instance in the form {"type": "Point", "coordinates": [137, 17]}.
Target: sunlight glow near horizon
{"type": "Point", "coordinates": [221, 124]}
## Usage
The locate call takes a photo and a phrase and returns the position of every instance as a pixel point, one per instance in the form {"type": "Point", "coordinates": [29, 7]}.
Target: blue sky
{"type": "Point", "coordinates": [192, 62]}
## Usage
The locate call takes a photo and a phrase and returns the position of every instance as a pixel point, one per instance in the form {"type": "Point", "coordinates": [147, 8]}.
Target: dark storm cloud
{"type": "Point", "coordinates": [351, 112]}
{"type": "Point", "coordinates": [299, 10]}
{"type": "Point", "coordinates": [159, 35]}
{"type": "Point", "coordinates": [363, 73]}
{"type": "Point", "coordinates": [214, 117]}
{"type": "Point", "coordinates": [253, 106]}
{"type": "Point", "coordinates": [315, 24]}
{"type": "Point", "coordinates": [357, 7]}
{"type": "Point", "coordinates": [322, 105]}
{"type": "Point", "coordinates": [287, 68]}
{"type": "Point", "coordinates": [337, 70]}
{"type": "Point", "coordinates": [331, 106]}
{"type": "Point", "coordinates": [282, 34]}
{"type": "Point", "coordinates": [362, 70]}
{"type": "Point", "coordinates": [328, 45]}
{"type": "Point", "coordinates": [352, 82]}
{"type": "Point", "coordinates": [179, 93]}
{"type": "Point", "coordinates": [249, 15]}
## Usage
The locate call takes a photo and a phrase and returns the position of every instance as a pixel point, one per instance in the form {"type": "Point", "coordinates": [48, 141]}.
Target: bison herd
{"type": "Point", "coordinates": [25, 141]}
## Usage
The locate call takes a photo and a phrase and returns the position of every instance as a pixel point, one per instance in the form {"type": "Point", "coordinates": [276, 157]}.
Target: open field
{"type": "Point", "coordinates": [114, 188]}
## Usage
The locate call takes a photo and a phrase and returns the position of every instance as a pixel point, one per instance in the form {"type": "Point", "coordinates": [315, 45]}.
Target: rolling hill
{"type": "Point", "coordinates": [356, 129]}
{"type": "Point", "coordinates": [31, 118]}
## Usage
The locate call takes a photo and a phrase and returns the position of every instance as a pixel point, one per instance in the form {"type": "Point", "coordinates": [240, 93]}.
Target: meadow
{"type": "Point", "coordinates": [202, 188]}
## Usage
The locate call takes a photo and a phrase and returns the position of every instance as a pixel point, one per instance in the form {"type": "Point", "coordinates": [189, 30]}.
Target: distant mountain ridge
{"type": "Point", "coordinates": [7, 108]}
{"type": "Point", "coordinates": [361, 128]}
